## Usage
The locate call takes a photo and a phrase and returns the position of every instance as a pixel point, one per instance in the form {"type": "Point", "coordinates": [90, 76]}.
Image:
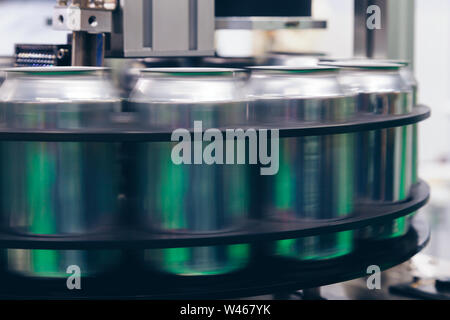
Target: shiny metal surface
{"type": "Point", "coordinates": [190, 198]}
{"type": "Point", "coordinates": [396, 35]}
{"type": "Point", "coordinates": [316, 176]}
{"type": "Point", "coordinates": [215, 96]}
{"type": "Point", "coordinates": [385, 157]}
{"type": "Point", "coordinates": [87, 49]}
{"type": "Point", "coordinates": [57, 188]}
{"type": "Point", "coordinates": [408, 76]}
{"type": "Point", "coordinates": [129, 70]}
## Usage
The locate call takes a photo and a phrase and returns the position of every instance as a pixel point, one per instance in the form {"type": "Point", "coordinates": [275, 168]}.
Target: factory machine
{"type": "Point", "coordinates": [94, 184]}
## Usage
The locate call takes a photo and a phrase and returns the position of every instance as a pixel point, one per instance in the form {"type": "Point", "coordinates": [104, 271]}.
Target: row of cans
{"type": "Point", "coordinates": [73, 188]}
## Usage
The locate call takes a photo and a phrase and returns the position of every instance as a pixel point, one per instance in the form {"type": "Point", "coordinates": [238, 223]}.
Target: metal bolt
{"type": "Point", "coordinates": [61, 53]}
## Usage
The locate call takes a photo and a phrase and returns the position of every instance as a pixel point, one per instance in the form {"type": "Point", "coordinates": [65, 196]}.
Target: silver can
{"type": "Point", "coordinates": [126, 72]}
{"type": "Point", "coordinates": [385, 157]}
{"type": "Point", "coordinates": [316, 173]}
{"type": "Point", "coordinates": [57, 188]}
{"type": "Point", "coordinates": [191, 198]}
{"type": "Point", "coordinates": [408, 76]}
{"type": "Point", "coordinates": [407, 73]}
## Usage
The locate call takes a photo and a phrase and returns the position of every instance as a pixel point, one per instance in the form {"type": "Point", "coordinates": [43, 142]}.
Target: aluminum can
{"type": "Point", "coordinates": [190, 198]}
{"type": "Point", "coordinates": [407, 73]}
{"type": "Point", "coordinates": [126, 71]}
{"type": "Point", "coordinates": [316, 174]}
{"type": "Point", "coordinates": [57, 188]}
{"type": "Point", "coordinates": [408, 76]}
{"type": "Point", "coordinates": [385, 157]}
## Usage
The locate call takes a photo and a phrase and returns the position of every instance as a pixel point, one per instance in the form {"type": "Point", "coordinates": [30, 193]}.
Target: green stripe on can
{"type": "Point", "coordinates": [339, 173]}
{"type": "Point", "coordinates": [317, 248]}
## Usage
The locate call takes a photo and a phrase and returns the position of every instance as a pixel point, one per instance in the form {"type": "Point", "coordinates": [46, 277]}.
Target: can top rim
{"type": "Point", "coordinates": [54, 70]}
{"type": "Point", "coordinates": [292, 69]}
{"type": "Point", "coordinates": [364, 64]}
{"type": "Point", "coordinates": [194, 71]}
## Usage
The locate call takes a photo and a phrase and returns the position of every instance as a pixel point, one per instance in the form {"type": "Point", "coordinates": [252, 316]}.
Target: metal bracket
{"type": "Point", "coordinates": [73, 18]}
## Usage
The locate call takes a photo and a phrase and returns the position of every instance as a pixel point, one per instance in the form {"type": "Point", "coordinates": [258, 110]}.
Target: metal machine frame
{"type": "Point", "coordinates": [146, 28]}
{"type": "Point", "coordinates": [395, 38]}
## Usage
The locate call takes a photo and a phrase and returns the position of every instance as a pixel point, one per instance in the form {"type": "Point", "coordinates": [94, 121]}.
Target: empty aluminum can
{"type": "Point", "coordinates": [190, 198]}
{"type": "Point", "coordinates": [385, 157]}
{"type": "Point", "coordinates": [408, 76]}
{"type": "Point", "coordinates": [316, 173]}
{"type": "Point", "coordinates": [57, 188]}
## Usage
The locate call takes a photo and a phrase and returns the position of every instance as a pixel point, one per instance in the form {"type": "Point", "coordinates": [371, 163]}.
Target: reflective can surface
{"type": "Point", "coordinates": [57, 188]}
{"type": "Point", "coordinates": [385, 157]}
{"type": "Point", "coordinates": [316, 176]}
{"type": "Point", "coordinates": [127, 71]}
{"type": "Point", "coordinates": [190, 198]}
{"type": "Point", "coordinates": [408, 76]}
